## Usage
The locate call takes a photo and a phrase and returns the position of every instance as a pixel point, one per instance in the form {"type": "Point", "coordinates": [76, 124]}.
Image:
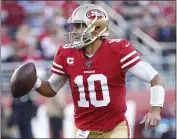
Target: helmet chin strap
{"type": "Point", "coordinates": [84, 44]}
{"type": "Point", "coordinates": [80, 44]}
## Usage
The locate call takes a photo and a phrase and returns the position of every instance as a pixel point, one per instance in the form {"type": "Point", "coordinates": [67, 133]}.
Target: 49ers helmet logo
{"type": "Point", "coordinates": [95, 12]}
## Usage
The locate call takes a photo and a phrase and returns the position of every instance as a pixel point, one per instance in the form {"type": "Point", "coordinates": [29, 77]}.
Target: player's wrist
{"type": "Point", "coordinates": [37, 84]}
{"type": "Point", "coordinates": [156, 108]}
{"type": "Point", "coordinates": [157, 95]}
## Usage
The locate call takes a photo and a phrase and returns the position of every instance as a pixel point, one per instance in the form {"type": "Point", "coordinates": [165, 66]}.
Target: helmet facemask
{"type": "Point", "coordinates": [78, 36]}
{"type": "Point", "coordinates": [83, 37]}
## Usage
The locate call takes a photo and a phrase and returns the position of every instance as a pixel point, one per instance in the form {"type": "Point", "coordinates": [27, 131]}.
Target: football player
{"type": "Point", "coordinates": [96, 69]}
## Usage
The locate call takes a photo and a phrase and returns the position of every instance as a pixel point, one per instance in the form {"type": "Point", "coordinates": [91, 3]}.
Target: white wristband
{"type": "Point", "coordinates": [157, 95]}
{"type": "Point", "coordinates": [37, 84]}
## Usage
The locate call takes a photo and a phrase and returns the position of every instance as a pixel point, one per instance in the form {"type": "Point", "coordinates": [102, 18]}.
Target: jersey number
{"type": "Point", "coordinates": [92, 93]}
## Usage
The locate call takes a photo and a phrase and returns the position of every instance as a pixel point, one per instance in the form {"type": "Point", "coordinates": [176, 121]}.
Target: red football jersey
{"type": "Point", "coordinates": [97, 83]}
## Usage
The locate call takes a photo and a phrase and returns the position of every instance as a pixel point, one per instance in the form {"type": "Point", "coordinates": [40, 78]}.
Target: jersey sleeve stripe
{"type": "Point", "coordinates": [127, 56]}
{"type": "Point", "coordinates": [130, 62]}
{"type": "Point", "coordinates": [57, 70]}
{"type": "Point", "coordinates": [57, 65]}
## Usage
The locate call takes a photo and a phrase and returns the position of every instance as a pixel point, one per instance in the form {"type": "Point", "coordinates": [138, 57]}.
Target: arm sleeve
{"type": "Point", "coordinates": [128, 55]}
{"type": "Point", "coordinates": [143, 71]}
{"type": "Point", "coordinates": [58, 63]}
{"type": "Point", "coordinates": [57, 81]}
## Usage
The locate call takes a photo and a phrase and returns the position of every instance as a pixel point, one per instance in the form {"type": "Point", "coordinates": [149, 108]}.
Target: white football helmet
{"type": "Point", "coordinates": [93, 21]}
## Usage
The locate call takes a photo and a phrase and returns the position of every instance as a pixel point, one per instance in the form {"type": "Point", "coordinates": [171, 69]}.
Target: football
{"type": "Point", "coordinates": [23, 79]}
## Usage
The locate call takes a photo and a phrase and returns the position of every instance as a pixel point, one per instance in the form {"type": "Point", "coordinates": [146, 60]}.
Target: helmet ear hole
{"type": "Point", "coordinates": [97, 28]}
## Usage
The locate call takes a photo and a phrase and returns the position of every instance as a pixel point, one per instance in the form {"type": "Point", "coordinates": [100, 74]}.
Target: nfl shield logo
{"type": "Point", "coordinates": [88, 63]}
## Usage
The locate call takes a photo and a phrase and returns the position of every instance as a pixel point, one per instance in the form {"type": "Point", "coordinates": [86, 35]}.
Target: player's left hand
{"type": "Point", "coordinates": [152, 118]}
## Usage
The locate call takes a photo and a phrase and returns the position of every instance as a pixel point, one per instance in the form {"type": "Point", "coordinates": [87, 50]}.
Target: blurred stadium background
{"type": "Point", "coordinates": [32, 31]}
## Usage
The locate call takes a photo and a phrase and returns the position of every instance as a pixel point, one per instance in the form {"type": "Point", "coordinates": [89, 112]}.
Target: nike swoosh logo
{"type": "Point", "coordinates": [127, 44]}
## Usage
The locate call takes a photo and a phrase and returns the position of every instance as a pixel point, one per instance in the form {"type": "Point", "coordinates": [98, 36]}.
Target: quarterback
{"type": "Point", "coordinates": [96, 69]}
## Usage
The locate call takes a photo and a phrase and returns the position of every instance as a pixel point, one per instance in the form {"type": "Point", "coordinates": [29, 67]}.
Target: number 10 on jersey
{"type": "Point", "coordinates": [82, 102]}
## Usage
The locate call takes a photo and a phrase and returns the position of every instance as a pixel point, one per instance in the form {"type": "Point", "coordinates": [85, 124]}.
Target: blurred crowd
{"type": "Point", "coordinates": [34, 29]}
{"type": "Point", "coordinates": [156, 18]}
{"type": "Point", "coordinates": [26, 117]}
